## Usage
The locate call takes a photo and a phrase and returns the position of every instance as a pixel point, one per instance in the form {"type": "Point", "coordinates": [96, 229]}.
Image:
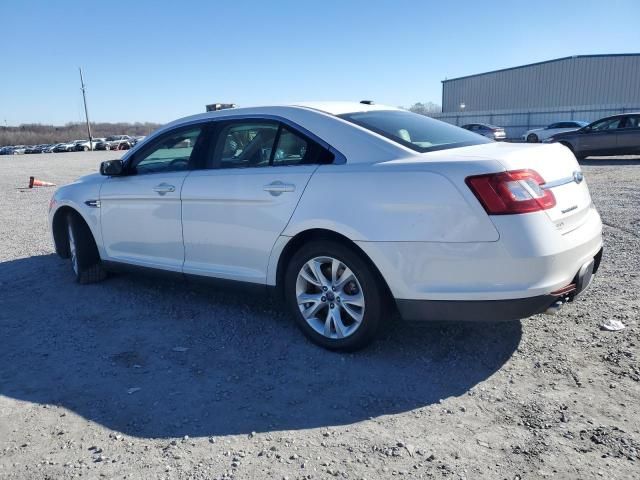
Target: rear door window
{"type": "Point", "coordinates": [257, 143]}
{"type": "Point", "coordinates": [294, 149]}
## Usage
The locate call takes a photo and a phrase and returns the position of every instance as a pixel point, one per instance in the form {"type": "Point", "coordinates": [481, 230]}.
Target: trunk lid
{"type": "Point", "coordinates": [558, 167]}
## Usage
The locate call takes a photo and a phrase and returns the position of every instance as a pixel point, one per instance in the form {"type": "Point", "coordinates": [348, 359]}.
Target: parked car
{"type": "Point", "coordinates": [115, 142]}
{"type": "Point", "coordinates": [6, 150]}
{"type": "Point", "coordinates": [539, 134]}
{"type": "Point", "coordinates": [31, 149]}
{"type": "Point", "coordinates": [52, 148]}
{"type": "Point", "coordinates": [614, 135]}
{"type": "Point", "coordinates": [18, 149]}
{"type": "Point", "coordinates": [64, 147]}
{"type": "Point", "coordinates": [86, 145]}
{"type": "Point", "coordinates": [44, 147]}
{"type": "Point", "coordinates": [347, 210]}
{"type": "Point", "coordinates": [135, 140]}
{"type": "Point", "coordinates": [486, 130]}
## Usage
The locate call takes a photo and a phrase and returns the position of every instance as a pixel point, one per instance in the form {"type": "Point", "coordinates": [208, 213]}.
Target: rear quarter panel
{"type": "Point", "coordinates": [401, 200]}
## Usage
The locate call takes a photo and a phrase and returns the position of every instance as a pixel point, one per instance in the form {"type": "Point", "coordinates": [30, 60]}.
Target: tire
{"type": "Point", "coordinates": [86, 149]}
{"type": "Point", "coordinates": [85, 259]}
{"type": "Point", "coordinates": [333, 322]}
{"type": "Point", "coordinates": [532, 138]}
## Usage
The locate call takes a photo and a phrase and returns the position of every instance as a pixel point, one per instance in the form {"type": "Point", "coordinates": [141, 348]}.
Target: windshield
{"type": "Point", "coordinates": [418, 132]}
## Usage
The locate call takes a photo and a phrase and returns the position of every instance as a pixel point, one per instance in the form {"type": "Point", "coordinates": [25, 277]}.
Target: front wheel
{"type": "Point", "coordinates": [85, 259]}
{"type": "Point", "coordinates": [532, 138]}
{"type": "Point", "coordinates": [335, 296]}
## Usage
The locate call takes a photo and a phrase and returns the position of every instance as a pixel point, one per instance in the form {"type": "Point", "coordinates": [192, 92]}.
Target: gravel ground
{"type": "Point", "coordinates": [143, 378]}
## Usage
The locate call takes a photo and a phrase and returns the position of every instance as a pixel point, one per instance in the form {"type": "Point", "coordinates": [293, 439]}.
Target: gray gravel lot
{"type": "Point", "coordinates": [137, 377]}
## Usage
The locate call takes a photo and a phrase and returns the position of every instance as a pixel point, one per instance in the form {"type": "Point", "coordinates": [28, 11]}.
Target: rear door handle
{"type": "Point", "coordinates": [278, 187]}
{"type": "Point", "coordinates": [164, 188]}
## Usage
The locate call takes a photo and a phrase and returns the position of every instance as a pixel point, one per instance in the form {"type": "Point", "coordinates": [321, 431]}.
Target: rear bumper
{"type": "Point", "coordinates": [473, 310]}
{"type": "Point", "coordinates": [531, 259]}
{"type": "Point", "coordinates": [496, 310]}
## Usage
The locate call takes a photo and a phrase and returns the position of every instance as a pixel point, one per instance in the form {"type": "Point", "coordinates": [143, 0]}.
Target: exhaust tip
{"type": "Point", "coordinates": [555, 308]}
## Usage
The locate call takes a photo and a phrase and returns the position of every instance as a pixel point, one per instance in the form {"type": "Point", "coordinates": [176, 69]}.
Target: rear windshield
{"type": "Point", "coordinates": [420, 133]}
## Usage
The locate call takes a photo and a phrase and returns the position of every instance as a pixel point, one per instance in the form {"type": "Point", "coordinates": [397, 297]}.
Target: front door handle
{"type": "Point", "coordinates": [164, 188]}
{"type": "Point", "coordinates": [278, 187]}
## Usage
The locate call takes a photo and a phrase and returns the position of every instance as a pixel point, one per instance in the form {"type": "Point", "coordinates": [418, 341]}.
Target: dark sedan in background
{"type": "Point", "coordinates": [615, 135]}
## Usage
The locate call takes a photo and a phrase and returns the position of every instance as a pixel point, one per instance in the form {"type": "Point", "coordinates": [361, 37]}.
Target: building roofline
{"type": "Point", "coordinates": [544, 62]}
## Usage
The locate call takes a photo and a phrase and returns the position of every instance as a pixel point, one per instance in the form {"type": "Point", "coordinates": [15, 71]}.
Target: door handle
{"type": "Point", "coordinates": [164, 188]}
{"type": "Point", "coordinates": [278, 187]}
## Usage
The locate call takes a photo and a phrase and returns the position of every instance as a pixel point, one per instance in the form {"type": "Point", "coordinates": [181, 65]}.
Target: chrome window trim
{"type": "Point", "coordinates": [339, 158]}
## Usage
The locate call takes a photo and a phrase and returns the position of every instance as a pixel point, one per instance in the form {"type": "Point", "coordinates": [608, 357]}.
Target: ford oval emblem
{"type": "Point", "coordinates": [578, 177]}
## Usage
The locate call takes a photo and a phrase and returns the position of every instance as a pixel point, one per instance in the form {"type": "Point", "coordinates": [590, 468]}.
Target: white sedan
{"type": "Point", "coordinates": [539, 134]}
{"type": "Point", "coordinates": [348, 210]}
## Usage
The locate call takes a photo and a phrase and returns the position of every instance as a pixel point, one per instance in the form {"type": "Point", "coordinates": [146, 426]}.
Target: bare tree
{"type": "Point", "coordinates": [31, 134]}
{"type": "Point", "coordinates": [426, 108]}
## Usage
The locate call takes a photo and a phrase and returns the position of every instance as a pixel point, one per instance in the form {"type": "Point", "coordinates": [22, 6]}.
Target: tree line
{"type": "Point", "coordinates": [35, 133]}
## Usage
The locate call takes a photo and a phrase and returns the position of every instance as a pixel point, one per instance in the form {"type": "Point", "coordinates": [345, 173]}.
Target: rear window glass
{"type": "Point", "coordinates": [418, 132]}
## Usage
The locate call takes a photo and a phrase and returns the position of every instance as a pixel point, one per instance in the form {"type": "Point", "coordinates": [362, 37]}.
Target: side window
{"type": "Point", "coordinates": [171, 154]}
{"type": "Point", "coordinates": [555, 125]}
{"type": "Point", "coordinates": [293, 149]}
{"type": "Point", "coordinates": [609, 124]}
{"type": "Point", "coordinates": [632, 122]}
{"type": "Point", "coordinates": [245, 144]}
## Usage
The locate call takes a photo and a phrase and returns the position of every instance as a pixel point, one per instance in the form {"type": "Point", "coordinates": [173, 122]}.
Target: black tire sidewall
{"type": "Point", "coordinates": [532, 138]}
{"type": "Point", "coordinates": [369, 281]}
{"type": "Point", "coordinates": [86, 251]}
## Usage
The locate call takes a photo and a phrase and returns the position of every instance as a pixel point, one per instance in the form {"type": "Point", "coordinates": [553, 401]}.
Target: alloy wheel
{"type": "Point", "coordinates": [72, 250]}
{"type": "Point", "coordinates": [330, 297]}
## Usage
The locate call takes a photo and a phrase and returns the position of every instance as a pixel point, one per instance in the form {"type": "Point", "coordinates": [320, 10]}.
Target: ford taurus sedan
{"type": "Point", "coordinates": [350, 211]}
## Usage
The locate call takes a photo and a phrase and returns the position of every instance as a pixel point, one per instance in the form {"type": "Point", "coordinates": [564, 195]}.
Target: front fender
{"type": "Point", "coordinates": [75, 196]}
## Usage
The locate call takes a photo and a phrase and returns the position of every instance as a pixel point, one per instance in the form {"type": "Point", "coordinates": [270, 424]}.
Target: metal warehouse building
{"type": "Point", "coordinates": [583, 87]}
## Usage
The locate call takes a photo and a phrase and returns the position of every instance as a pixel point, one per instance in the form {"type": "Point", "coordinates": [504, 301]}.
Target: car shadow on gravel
{"type": "Point", "coordinates": [153, 358]}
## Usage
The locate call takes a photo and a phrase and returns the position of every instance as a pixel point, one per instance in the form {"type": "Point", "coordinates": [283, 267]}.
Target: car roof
{"type": "Point", "coordinates": [318, 118]}
{"type": "Point", "coordinates": [331, 108]}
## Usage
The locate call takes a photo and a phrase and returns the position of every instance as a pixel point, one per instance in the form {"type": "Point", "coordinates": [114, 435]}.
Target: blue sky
{"type": "Point", "coordinates": [157, 61]}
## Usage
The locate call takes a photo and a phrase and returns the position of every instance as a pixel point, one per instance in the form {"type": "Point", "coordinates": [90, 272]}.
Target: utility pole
{"type": "Point", "coordinates": [86, 112]}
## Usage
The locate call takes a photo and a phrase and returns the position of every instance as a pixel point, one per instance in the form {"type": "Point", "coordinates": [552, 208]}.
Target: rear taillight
{"type": "Point", "coordinates": [517, 191]}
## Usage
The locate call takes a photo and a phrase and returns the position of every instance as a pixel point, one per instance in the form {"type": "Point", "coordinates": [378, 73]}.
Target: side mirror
{"type": "Point", "coordinates": [112, 168]}
{"type": "Point", "coordinates": [586, 129]}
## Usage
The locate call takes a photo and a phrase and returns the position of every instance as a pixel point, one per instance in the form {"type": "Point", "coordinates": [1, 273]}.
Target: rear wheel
{"type": "Point", "coordinates": [335, 296]}
{"type": "Point", "coordinates": [532, 138]}
{"type": "Point", "coordinates": [85, 260]}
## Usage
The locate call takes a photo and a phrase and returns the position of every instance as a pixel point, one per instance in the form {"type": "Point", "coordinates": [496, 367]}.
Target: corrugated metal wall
{"type": "Point", "coordinates": [576, 88]}
{"type": "Point", "coordinates": [576, 81]}
{"type": "Point", "coordinates": [516, 122]}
